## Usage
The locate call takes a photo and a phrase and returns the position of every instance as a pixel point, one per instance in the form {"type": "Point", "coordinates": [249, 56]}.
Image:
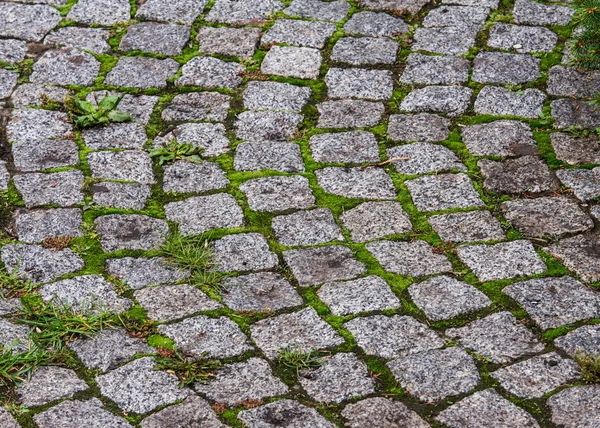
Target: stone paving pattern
{"type": "Point", "coordinates": [411, 190]}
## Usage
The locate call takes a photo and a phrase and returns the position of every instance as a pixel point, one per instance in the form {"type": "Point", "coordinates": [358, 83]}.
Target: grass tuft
{"type": "Point", "coordinates": [590, 367]}
{"type": "Point", "coordinates": [296, 359]}
{"type": "Point", "coordinates": [188, 370]}
{"type": "Point", "coordinates": [17, 366]}
{"type": "Point", "coordinates": [14, 285]}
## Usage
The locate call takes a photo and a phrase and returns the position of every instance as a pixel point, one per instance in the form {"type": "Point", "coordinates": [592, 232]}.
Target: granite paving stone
{"type": "Point", "coordinates": [102, 12]}
{"type": "Point", "coordinates": [575, 407]}
{"type": "Point", "coordinates": [28, 125]}
{"type": "Point", "coordinates": [30, 94]}
{"type": "Point", "coordinates": [292, 61]}
{"type": "Point", "coordinates": [580, 255]}
{"type": "Point", "coordinates": [434, 70]}
{"type": "Point", "coordinates": [569, 112]}
{"type": "Point", "coordinates": [243, 252]}
{"type": "Point", "coordinates": [141, 272]}
{"type": "Point", "coordinates": [259, 292]}
{"type": "Point", "coordinates": [60, 188]}
{"type": "Point", "coordinates": [115, 136]}
{"type": "Point", "coordinates": [208, 136]}
{"type": "Point", "coordinates": [34, 226]}
{"type": "Point", "coordinates": [166, 39]}
{"type": "Point", "coordinates": [349, 114]}
{"type": "Point", "coordinates": [141, 72]}
{"type": "Point", "coordinates": [243, 12]}
{"type": "Point", "coordinates": [275, 96]}
{"type": "Point", "coordinates": [8, 81]}
{"type": "Point", "coordinates": [7, 420]}
{"type": "Point", "coordinates": [130, 232]}
{"type": "Point", "coordinates": [416, 258]}
{"type": "Point", "coordinates": [210, 72]}
{"type": "Point", "coordinates": [372, 220]}
{"type": "Point", "coordinates": [375, 24]}
{"type": "Point", "coordinates": [239, 42]}
{"type": "Point", "coordinates": [381, 412]}
{"type": "Point", "coordinates": [346, 147]}
{"type": "Point", "coordinates": [268, 155]}
{"type": "Point", "coordinates": [525, 174]}
{"type": "Point", "coordinates": [311, 34]}
{"type": "Point", "coordinates": [456, 16]}
{"type": "Point", "coordinates": [278, 193]}
{"type": "Point", "coordinates": [14, 335]}
{"type": "Point", "coordinates": [368, 183]}
{"type": "Point", "coordinates": [12, 50]}
{"type": "Point", "coordinates": [140, 107]}
{"type": "Point", "coordinates": [521, 38]}
{"type": "Point", "coordinates": [65, 66]}
{"type": "Point", "coordinates": [306, 228]}
{"type": "Point", "coordinates": [359, 83]}
{"type": "Point", "coordinates": [534, 13]}
{"type": "Point", "coordinates": [443, 191]}
{"type": "Point", "coordinates": [44, 154]}
{"type": "Point", "coordinates": [575, 150]}
{"type": "Point", "coordinates": [317, 9]}
{"type": "Point", "coordinates": [199, 214]}
{"type": "Point", "coordinates": [131, 196]}
{"type": "Point", "coordinates": [190, 177]}
{"type": "Point", "coordinates": [582, 340]}
{"type": "Point", "coordinates": [87, 39]}
{"type": "Point", "coordinates": [584, 183]}
{"type": "Point", "coordinates": [169, 302]}
{"type": "Point", "coordinates": [451, 100]}
{"type": "Point", "coordinates": [128, 165]}
{"type": "Point", "coordinates": [27, 22]}
{"type": "Point", "coordinates": [193, 411]}
{"type": "Point", "coordinates": [285, 411]}
{"type": "Point", "coordinates": [496, 67]}
{"type": "Point", "coordinates": [266, 125]}
{"type": "Point", "coordinates": [506, 138]}
{"type": "Point", "coordinates": [71, 414]}
{"type": "Point", "coordinates": [365, 50]}
{"type": "Point", "coordinates": [570, 82]}
{"type": "Point", "coordinates": [397, 6]}
{"type": "Point", "coordinates": [424, 127]}
{"type": "Point", "coordinates": [497, 101]}
{"type": "Point", "coordinates": [453, 40]}
{"type": "Point", "coordinates": [49, 384]}
{"type": "Point", "coordinates": [421, 158]}
{"type": "Point", "coordinates": [470, 226]}
{"type": "Point", "coordinates": [4, 176]}
{"type": "Point", "coordinates": [178, 11]}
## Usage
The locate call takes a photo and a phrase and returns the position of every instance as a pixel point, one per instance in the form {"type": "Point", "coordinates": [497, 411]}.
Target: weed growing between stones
{"type": "Point", "coordinates": [16, 366]}
{"type": "Point", "coordinates": [188, 370]}
{"type": "Point", "coordinates": [13, 285]}
{"type": "Point", "coordinates": [590, 367]}
{"type": "Point", "coordinates": [172, 151]}
{"type": "Point", "coordinates": [86, 114]}
{"type": "Point", "coordinates": [298, 360]}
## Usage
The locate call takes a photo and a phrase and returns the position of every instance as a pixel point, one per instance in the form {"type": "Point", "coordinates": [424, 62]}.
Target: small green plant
{"type": "Point", "coordinates": [86, 114]}
{"type": "Point", "coordinates": [16, 366]}
{"type": "Point", "coordinates": [172, 151]}
{"type": "Point", "coordinates": [585, 48]}
{"type": "Point", "coordinates": [14, 285]}
{"type": "Point", "coordinates": [188, 370]}
{"type": "Point", "coordinates": [296, 359]}
{"type": "Point", "coordinates": [590, 367]}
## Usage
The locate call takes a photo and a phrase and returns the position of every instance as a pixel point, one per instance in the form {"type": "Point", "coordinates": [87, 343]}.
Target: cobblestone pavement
{"type": "Point", "coordinates": [408, 189]}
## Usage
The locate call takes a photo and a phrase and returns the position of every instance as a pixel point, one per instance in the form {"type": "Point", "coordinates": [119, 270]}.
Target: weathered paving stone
{"type": "Point", "coordinates": [304, 331]}
{"type": "Point", "coordinates": [269, 155]}
{"type": "Point", "coordinates": [197, 106]}
{"type": "Point", "coordinates": [194, 411]}
{"type": "Point", "coordinates": [360, 295]}
{"type": "Point", "coordinates": [504, 138]}
{"type": "Point", "coordinates": [49, 384]}
{"type": "Point", "coordinates": [29, 125]}
{"type": "Point", "coordinates": [136, 387]}
{"type": "Point", "coordinates": [239, 42]}
{"type": "Point", "coordinates": [423, 127]}
{"type": "Point", "coordinates": [442, 192]}
{"type": "Point", "coordinates": [381, 412]}
{"type": "Point", "coordinates": [415, 258]}
{"type": "Point", "coordinates": [306, 228]}
{"type": "Point", "coordinates": [60, 188]}
{"type": "Point", "coordinates": [275, 96]}
{"type": "Point", "coordinates": [399, 6]}
{"type": "Point", "coordinates": [199, 214]}
{"type": "Point", "coordinates": [259, 292]}
{"type": "Point", "coordinates": [433, 70]}
{"type": "Point", "coordinates": [169, 302]}
{"type": "Point", "coordinates": [7, 420]}
{"type": "Point", "coordinates": [456, 16]}
{"type": "Point", "coordinates": [444, 297]}
{"type": "Point", "coordinates": [286, 412]}
{"type": "Point", "coordinates": [372, 220]}
{"type": "Point", "coordinates": [243, 11]}
{"type": "Point", "coordinates": [90, 293]}
{"type": "Point", "coordinates": [12, 50]}
{"type": "Point", "coordinates": [27, 22]}
{"type": "Point", "coordinates": [445, 40]}
{"type": "Point", "coordinates": [8, 81]}
{"type": "Point", "coordinates": [266, 125]}
{"type": "Point", "coordinates": [546, 217]}
{"type": "Point", "coordinates": [375, 24]}
{"type": "Point", "coordinates": [131, 196]}
{"type": "Point", "coordinates": [347, 147]}
{"type": "Point", "coordinates": [349, 114]}
{"type": "Point", "coordinates": [130, 232]}
{"type": "Point", "coordinates": [452, 100]}
{"type": "Point", "coordinates": [580, 255]}
{"type": "Point", "coordinates": [391, 337]}
{"type": "Point", "coordinates": [128, 165]}
{"type": "Point", "coordinates": [210, 72]}
{"type": "Point", "coordinates": [486, 409]}
{"type": "Point", "coordinates": [208, 136]}
{"type": "Point", "coordinates": [9, 306]}
{"type": "Point", "coordinates": [313, 266]}
{"type": "Point", "coordinates": [576, 407]}
{"type": "Point", "coordinates": [89, 39]}
{"type": "Point", "coordinates": [35, 226]}
{"type": "Point", "coordinates": [537, 376]}
{"type": "Point", "coordinates": [585, 183]}
{"type": "Point", "coordinates": [291, 61]}
{"type": "Point", "coordinates": [190, 177]}
{"type": "Point", "coordinates": [243, 252]}
{"type": "Point", "coordinates": [575, 150]}
{"type": "Point", "coordinates": [499, 337]}
{"type": "Point", "coordinates": [179, 11]}
{"type": "Point", "coordinates": [204, 337]}
{"type": "Point", "coordinates": [4, 176]}
{"type": "Point", "coordinates": [421, 158]}
{"type": "Point", "coordinates": [585, 339]}
{"type": "Point", "coordinates": [570, 82]}
{"type": "Point", "coordinates": [13, 335]}
{"type": "Point", "coordinates": [115, 136]}
{"type": "Point", "coordinates": [278, 193]}
{"type": "Point", "coordinates": [467, 227]}
{"type": "Point", "coordinates": [38, 264]}
{"type": "Point", "coordinates": [103, 12]}
{"type": "Point", "coordinates": [249, 380]}
{"type": "Point", "coordinates": [73, 414]}
{"type": "Point", "coordinates": [497, 67]}
{"type": "Point", "coordinates": [141, 272]}
{"type": "Point", "coordinates": [108, 349]}
{"type": "Point", "coordinates": [569, 112]}
{"type": "Point", "coordinates": [437, 373]}
{"type": "Point", "coordinates": [311, 34]}
{"type": "Point", "coordinates": [359, 83]}
{"type": "Point", "coordinates": [141, 72]}
{"type": "Point", "coordinates": [514, 176]}
{"type": "Point", "coordinates": [368, 183]}
{"type": "Point", "coordinates": [317, 9]}
{"type": "Point", "coordinates": [521, 38]}
{"type": "Point", "coordinates": [44, 154]}
{"type": "Point", "coordinates": [365, 50]}
{"type": "Point", "coordinates": [166, 39]}
{"type": "Point", "coordinates": [499, 101]}
{"type": "Point", "coordinates": [534, 13]}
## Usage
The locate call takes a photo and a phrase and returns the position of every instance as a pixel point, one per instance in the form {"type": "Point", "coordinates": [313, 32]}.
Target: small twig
{"type": "Point", "coordinates": [384, 162]}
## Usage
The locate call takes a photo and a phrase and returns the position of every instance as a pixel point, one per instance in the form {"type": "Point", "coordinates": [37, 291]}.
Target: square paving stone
{"type": "Point", "coordinates": [444, 297]}
{"type": "Point", "coordinates": [8, 81]}
{"type": "Point", "coordinates": [546, 217]}
{"type": "Point", "coordinates": [243, 12]}
{"type": "Point", "coordinates": [311, 34]}
{"type": "Point", "coordinates": [38, 264]}
{"type": "Point", "coordinates": [131, 196]}
{"type": "Point", "coordinates": [243, 252]}
{"type": "Point", "coordinates": [433, 70]}
{"type": "Point", "coordinates": [197, 106]}
{"type": "Point", "coordinates": [436, 374]}
{"type": "Point", "coordinates": [360, 295]}
{"type": "Point", "coordinates": [584, 183]}
{"type": "Point", "coordinates": [181, 11]}
{"type": "Point", "coordinates": [313, 266]}
{"type": "Point", "coordinates": [527, 174]}
{"type": "Point", "coordinates": [521, 38]}
{"type": "Point", "coordinates": [375, 24]}
{"type": "Point", "coordinates": [275, 96]}
{"type": "Point", "coordinates": [278, 193]}
{"type": "Point", "coordinates": [210, 72]}
{"type": "Point", "coordinates": [359, 83]}
{"type": "Point", "coordinates": [445, 40]}
{"type": "Point", "coordinates": [30, 94]}
{"type": "Point", "coordinates": [456, 16]}
{"type": "Point", "coordinates": [569, 112]}
{"type": "Point", "coordinates": [66, 66]}
{"type": "Point", "coordinates": [349, 114]}
{"type": "Point", "coordinates": [381, 412]}
{"type": "Point", "coordinates": [329, 11]}
{"type": "Point", "coordinates": [238, 382]}
{"type": "Point", "coordinates": [141, 72]}
{"type": "Point", "coordinates": [421, 158]}
{"type": "Point", "coordinates": [369, 183]}
{"type": "Point", "coordinates": [239, 42]}
{"type": "Point", "coordinates": [303, 331]}
{"type": "Point", "coordinates": [190, 177]}
{"type": "Point", "coordinates": [570, 82]}
{"type": "Point", "coordinates": [497, 67]}
{"type": "Point", "coordinates": [467, 227]}
{"type": "Point", "coordinates": [580, 255]}
{"type": "Point", "coordinates": [209, 136]}
{"type": "Point", "coordinates": [102, 12]}
{"type": "Point", "coordinates": [504, 138]}
{"type": "Point", "coordinates": [140, 107]}
{"type": "Point", "coordinates": [12, 50]}
{"type": "Point", "coordinates": [72, 414]}
{"type": "Point", "coordinates": [259, 292]}
{"type": "Point", "coordinates": [193, 411]}
{"type": "Point", "coordinates": [306, 228]}
{"type": "Point", "coordinates": [391, 337]}
{"type": "Point", "coordinates": [499, 101]}
{"type": "Point", "coordinates": [346, 147]}
{"type": "Point", "coordinates": [452, 100]}
{"type": "Point", "coordinates": [199, 214]}
{"type": "Point", "coordinates": [128, 165]}
{"type": "Point", "coordinates": [27, 22]}
{"type": "Point", "coordinates": [442, 192]}
{"type": "Point", "coordinates": [29, 125]}
{"type": "Point", "coordinates": [266, 125]}
{"type": "Point", "coordinates": [288, 412]}
{"type": "Point", "coordinates": [416, 258]}
{"type": "Point", "coordinates": [166, 39]}
{"type": "Point", "coordinates": [60, 188]}
{"type": "Point", "coordinates": [115, 136]}
{"type": "Point", "coordinates": [7, 420]}
{"type": "Point", "coordinates": [291, 61]}
{"type": "Point", "coordinates": [573, 150]}
{"type": "Point", "coordinates": [398, 6]}
{"type": "Point", "coordinates": [365, 50]}
{"type": "Point", "coordinates": [34, 226]}
{"type": "Point", "coordinates": [130, 232]}
{"type": "Point", "coordinates": [575, 407]}
{"type": "Point", "coordinates": [204, 337]}
{"type": "Point", "coordinates": [44, 154]}
{"type": "Point", "coordinates": [108, 349]}
{"type": "Point", "coordinates": [534, 13]}
{"type": "Point", "coordinates": [486, 409]}
{"type": "Point", "coordinates": [424, 127]}
{"type": "Point", "coordinates": [141, 272]}
{"type": "Point", "coordinates": [582, 340]}
{"type": "Point", "coordinates": [49, 384]}
{"type": "Point", "coordinates": [500, 337]}
{"type": "Point", "coordinates": [88, 39]}
{"type": "Point", "coordinates": [268, 155]}
{"type": "Point", "coordinates": [372, 220]}
{"type": "Point", "coordinates": [169, 302]}
{"type": "Point", "coordinates": [537, 376]}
